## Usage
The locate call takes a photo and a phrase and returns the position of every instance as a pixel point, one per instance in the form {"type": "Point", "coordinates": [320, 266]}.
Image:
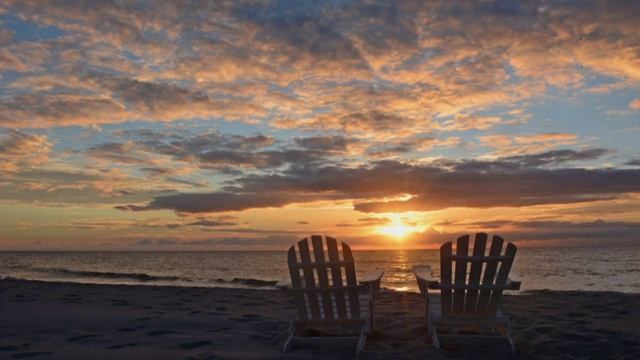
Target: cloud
{"type": "Point", "coordinates": [260, 242]}
{"type": "Point", "coordinates": [332, 144]}
{"type": "Point", "coordinates": [468, 122]}
{"type": "Point", "coordinates": [219, 151]}
{"type": "Point", "coordinates": [610, 232]}
{"type": "Point", "coordinates": [512, 182]}
{"type": "Point", "coordinates": [411, 145]}
{"type": "Point", "coordinates": [556, 157]}
{"type": "Point", "coordinates": [122, 153]}
{"type": "Point", "coordinates": [226, 220]}
{"type": "Point", "coordinates": [105, 99]}
{"type": "Point", "coordinates": [212, 202]}
{"type": "Point", "coordinates": [317, 65]}
{"type": "Point", "coordinates": [506, 145]}
{"type": "Point", "coordinates": [19, 150]}
{"type": "Point", "coordinates": [635, 104]}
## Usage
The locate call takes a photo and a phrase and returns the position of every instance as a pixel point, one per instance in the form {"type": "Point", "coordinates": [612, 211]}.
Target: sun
{"type": "Point", "coordinates": [396, 230]}
{"type": "Point", "coordinates": [401, 226]}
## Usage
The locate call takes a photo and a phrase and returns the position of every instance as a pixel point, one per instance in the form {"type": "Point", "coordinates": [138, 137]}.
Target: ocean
{"type": "Point", "coordinates": [591, 268]}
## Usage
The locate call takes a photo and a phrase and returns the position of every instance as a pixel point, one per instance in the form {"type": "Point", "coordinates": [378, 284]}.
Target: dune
{"type": "Point", "coordinates": [41, 320]}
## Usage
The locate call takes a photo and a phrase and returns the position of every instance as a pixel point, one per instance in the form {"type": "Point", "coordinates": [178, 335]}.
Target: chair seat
{"type": "Point", "coordinates": [364, 300]}
{"type": "Point", "coordinates": [460, 321]}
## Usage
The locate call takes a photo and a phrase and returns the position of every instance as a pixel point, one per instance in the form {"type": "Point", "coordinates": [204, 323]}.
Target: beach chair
{"type": "Point", "coordinates": [326, 292]}
{"type": "Point", "coordinates": [467, 310]}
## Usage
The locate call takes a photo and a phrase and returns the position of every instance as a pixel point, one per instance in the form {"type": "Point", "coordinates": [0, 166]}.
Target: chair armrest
{"type": "Point", "coordinates": [424, 276]}
{"type": "Point", "coordinates": [283, 285]}
{"type": "Point", "coordinates": [513, 281]}
{"type": "Point", "coordinates": [371, 281]}
{"type": "Point", "coordinates": [372, 277]}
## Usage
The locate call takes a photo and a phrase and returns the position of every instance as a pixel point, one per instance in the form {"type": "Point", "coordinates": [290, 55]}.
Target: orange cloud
{"type": "Point", "coordinates": [19, 150]}
{"type": "Point", "coordinates": [508, 145]}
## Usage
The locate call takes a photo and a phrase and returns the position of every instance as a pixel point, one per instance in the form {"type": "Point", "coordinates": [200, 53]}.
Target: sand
{"type": "Point", "coordinates": [41, 320]}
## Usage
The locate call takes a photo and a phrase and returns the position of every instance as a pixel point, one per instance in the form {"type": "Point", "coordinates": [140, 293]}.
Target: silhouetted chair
{"type": "Point", "coordinates": [467, 309]}
{"type": "Point", "coordinates": [326, 292]}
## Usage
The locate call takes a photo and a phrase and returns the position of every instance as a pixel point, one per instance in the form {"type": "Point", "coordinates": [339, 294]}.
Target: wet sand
{"type": "Point", "coordinates": [41, 320]}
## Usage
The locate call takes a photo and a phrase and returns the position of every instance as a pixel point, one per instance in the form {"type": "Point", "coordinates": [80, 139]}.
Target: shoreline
{"type": "Point", "coordinates": [56, 320]}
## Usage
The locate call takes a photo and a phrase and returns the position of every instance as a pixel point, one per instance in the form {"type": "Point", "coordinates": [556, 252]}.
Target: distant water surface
{"type": "Point", "coordinates": [599, 269]}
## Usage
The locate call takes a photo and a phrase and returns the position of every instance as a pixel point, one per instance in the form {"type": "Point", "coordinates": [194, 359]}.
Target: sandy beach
{"type": "Point", "coordinates": [42, 320]}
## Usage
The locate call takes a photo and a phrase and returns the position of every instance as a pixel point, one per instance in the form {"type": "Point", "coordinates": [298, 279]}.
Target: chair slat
{"type": "Point", "coordinates": [315, 265]}
{"type": "Point", "coordinates": [323, 281]}
{"type": "Point", "coordinates": [476, 287]}
{"type": "Point", "coordinates": [501, 279]}
{"type": "Point", "coordinates": [489, 274]}
{"type": "Point", "coordinates": [350, 272]}
{"type": "Point", "coordinates": [336, 276]}
{"type": "Point", "coordinates": [475, 272]}
{"type": "Point", "coordinates": [445, 275]}
{"type": "Point", "coordinates": [298, 298]}
{"type": "Point", "coordinates": [309, 279]}
{"type": "Point", "coordinates": [473, 258]}
{"type": "Point", "coordinates": [462, 248]}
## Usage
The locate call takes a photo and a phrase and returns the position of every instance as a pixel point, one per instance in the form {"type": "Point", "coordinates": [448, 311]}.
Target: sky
{"type": "Point", "coordinates": [210, 125]}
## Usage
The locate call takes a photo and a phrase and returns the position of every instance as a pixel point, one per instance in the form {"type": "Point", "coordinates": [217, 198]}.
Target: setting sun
{"type": "Point", "coordinates": [398, 231]}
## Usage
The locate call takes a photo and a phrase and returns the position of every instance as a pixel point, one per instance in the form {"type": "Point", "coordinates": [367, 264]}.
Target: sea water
{"type": "Point", "coordinates": [591, 268]}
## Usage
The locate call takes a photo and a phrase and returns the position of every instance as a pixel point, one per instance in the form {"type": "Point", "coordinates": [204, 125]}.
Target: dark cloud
{"type": "Point", "coordinates": [122, 153]}
{"type": "Point", "coordinates": [334, 143]}
{"type": "Point", "coordinates": [557, 157]}
{"type": "Point", "coordinates": [219, 151]}
{"type": "Point", "coordinates": [611, 232]}
{"type": "Point", "coordinates": [212, 202]}
{"type": "Point", "coordinates": [435, 186]}
{"type": "Point", "coordinates": [220, 221]}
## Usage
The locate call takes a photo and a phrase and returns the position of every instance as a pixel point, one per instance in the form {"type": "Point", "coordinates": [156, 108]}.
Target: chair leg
{"type": "Point", "coordinates": [361, 341]}
{"type": "Point", "coordinates": [513, 346]}
{"type": "Point", "coordinates": [433, 333]}
{"type": "Point", "coordinates": [371, 325]}
{"type": "Point", "coordinates": [508, 323]}
{"type": "Point", "coordinates": [426, 312]}
{"type": "Point", "coordinates": [434, 338]}
{"type": "Point", "coordinates": [292, 333]}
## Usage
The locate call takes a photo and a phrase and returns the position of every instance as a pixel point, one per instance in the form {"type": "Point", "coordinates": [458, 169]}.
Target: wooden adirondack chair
{"type": "Point", "coordinates": [468, 306]}
{"type": "Point", "coordinates": [326, 292]}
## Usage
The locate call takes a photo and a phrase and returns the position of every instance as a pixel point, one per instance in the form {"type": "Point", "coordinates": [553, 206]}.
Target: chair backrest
{"type": "Point", "coordinates": [477, 289]}
{"type": "Point", "coordinates": [324, 286]}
